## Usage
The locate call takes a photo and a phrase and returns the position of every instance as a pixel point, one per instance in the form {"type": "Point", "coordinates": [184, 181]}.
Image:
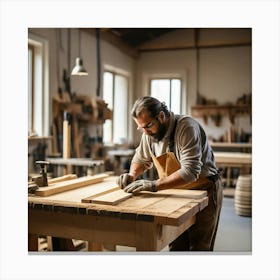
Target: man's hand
{"type": "Point", "coordinates": [141, 185]}
{"type": "Point", "coordinates": [124, 180]}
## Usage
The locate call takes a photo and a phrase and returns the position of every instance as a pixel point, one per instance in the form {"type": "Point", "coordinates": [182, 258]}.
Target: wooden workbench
{"type": "Point", "coordinates": [118, 156]}
{"type": "Point", "coordinates": [147, 221]}
{"type": "Point", "coordinates": [232, 159]}
{"type": "Point", "coordinates": [69, 163]}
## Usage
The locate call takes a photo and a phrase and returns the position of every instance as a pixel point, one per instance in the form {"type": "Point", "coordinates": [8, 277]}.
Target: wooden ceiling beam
{"type": "Point", "coordinates": [173, 47]}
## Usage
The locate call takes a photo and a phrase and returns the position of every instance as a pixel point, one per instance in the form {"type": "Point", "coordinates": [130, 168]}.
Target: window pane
{"type": "Point", "coordinates": [171, 95]}
{"type": "Point", "coordinates": [108, 97]}
{"type": "Point", "coordinates": [160, 89]}
{"type": "Point", "coordinates": [115, 93]}
{"type": "Point", "coordinates": [30, 109]}
{"type": "Point", "coordinates": [120, 109]}
{"type": "Point", "coordinates": [176, 96]}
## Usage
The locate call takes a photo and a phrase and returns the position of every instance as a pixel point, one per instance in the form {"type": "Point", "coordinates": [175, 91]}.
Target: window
{"type": "Point", "coordinates": [115, 93]}
{"type": "Point", "coordinates": [38, 91]}
{"type": "Point", "coordinates": [168, 91]}
{"type": "Point", "coordinates": [30, 89]}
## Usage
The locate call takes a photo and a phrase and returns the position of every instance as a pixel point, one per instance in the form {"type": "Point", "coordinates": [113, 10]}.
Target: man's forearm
{"type": "Point", "coordinates": [171, 181]}
{"type": "Point", "coordinates": [136, 169]}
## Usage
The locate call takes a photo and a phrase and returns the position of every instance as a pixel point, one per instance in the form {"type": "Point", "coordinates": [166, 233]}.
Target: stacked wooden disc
{"type": "Point", "coordinates": [243, 196]}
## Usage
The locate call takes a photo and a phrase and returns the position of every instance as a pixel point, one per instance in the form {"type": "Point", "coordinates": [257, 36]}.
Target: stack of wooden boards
{"type": "Point", "coordinates": [68, 182]}
{"type": "Point", "coordinates": [107, 193]}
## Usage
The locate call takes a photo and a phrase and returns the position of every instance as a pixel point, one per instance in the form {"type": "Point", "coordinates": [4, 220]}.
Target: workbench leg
{"type": "Point", "coordinates": [49, 242]}
{"type": "Point", "coordinates": [62, 244]}
{"type": "Point", "coordinates": [228, 176]}
{"type": "Point", "coordinates": [109, 247]}
{"type": "Point", "coordinates": [33, 242]}
{"type": "Point", "coordinates": [94, 246]}
{"type": "Point", "coordinates": [146, 236]}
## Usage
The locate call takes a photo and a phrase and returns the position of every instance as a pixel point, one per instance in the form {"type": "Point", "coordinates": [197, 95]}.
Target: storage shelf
{"type": "Point", "coordinates": [39, 138]}
{"type": "Point", "coordinates": [216, 112]}
{"type": "Point", "coordinates": [231, 145]}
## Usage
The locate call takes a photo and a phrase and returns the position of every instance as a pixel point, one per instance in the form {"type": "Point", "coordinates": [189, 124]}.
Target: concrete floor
{"type": "Point", "coordinates": [234, 231]}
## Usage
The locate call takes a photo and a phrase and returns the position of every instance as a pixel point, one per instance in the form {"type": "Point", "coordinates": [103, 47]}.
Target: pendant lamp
{"type": "Point", "coordinates": [79, 69]}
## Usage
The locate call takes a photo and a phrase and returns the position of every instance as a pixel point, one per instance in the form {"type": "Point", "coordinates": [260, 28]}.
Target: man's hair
{"type": "Point", "coordinates": [151, 104]}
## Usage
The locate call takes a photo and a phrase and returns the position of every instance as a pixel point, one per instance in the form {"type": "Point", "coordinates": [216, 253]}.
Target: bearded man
{"type": "Point", "coordinates": [190, 160]}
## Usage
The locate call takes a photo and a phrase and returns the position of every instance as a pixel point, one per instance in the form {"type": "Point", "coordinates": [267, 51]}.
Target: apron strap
{"type": "Point", "coordinates": [172, 135]}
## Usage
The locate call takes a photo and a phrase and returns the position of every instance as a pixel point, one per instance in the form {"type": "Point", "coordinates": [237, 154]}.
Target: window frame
{"type": "Point", "coordinates": [31, 104]}
{"type": "Point", "coordinates": [40, 84]}
{"type": "Point", "coordinates": [114, 74]}
{"type": "Point", "coordinates": [170, 78]}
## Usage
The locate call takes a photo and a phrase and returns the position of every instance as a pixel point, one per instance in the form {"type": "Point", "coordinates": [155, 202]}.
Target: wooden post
{"type": "Point", "coordinates": [94, 246]}
{"type": "Point", "coordinates": [66, 137]}
{"type": "Point", "coordinates": [33, 242]}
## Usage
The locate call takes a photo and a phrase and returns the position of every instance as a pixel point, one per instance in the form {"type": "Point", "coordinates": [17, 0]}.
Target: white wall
{"type": "Point", "coordinates": [85, 85]}
{"type": "Point", "coordinates": [168, 63]}
{"type": "Point", "coordinates": [224, 75]}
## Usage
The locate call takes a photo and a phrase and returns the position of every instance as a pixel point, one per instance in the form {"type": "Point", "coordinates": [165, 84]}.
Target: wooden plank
{"type": "Point", "coordinates": [148, 198]}
{"type": "Point", "coordinates": [87, 193]}
{"type": "Point", "coordinates": [182, 214]}
{"type": "Point", "coordinates": [140, 201]}
{"type": "Point", "coordinates": [111, 198]}
{"type": "Point", "coordinates": [62, 178]}
{"type": "Point", "coordinates": [100, 192]}
{"type": "Point", "coordinates": [167, 206]}
{"type": "Point", "coordinates": [66, 139]}
{"type": "Point", "coordinates": [182, 193]}
{"type": "Point", "coordinates": [70, 185]}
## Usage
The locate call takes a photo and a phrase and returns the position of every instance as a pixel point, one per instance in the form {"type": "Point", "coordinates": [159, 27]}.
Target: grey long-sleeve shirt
{"type": "Point", "coordinates": [191, 148]}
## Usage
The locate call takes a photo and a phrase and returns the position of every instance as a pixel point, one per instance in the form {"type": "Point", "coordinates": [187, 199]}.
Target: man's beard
{"type": "Point", "coordinates": [160, 133]}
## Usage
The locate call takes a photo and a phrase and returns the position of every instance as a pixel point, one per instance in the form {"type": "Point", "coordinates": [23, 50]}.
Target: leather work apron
{"type": "Point", "coordinates": [201, 236]}
{"type": "Point", "coordinates": [167, 164]}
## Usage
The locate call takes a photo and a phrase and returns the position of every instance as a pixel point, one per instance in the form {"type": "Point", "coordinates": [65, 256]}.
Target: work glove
{"type": "Point", "coordinates": [124, 180]}
{"type": "Point", "coordinates": [141, 185]}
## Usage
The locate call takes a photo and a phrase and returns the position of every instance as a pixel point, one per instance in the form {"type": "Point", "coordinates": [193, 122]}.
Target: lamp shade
{"type": "Point", "coordinates": [79, 69]}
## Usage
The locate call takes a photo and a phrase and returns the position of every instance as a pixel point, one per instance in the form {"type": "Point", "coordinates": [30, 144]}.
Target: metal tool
{"type": "Point", "coordinates": [42, 179]}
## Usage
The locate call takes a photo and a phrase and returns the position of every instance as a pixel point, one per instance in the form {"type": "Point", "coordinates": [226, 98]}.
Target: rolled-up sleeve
{"type": "Point", "coordinates": [142, 154]}
{"type": "Point", "coordinates": [189, 152]}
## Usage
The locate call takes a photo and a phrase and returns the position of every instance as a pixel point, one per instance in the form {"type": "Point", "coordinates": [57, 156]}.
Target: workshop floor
{"type": "Point", "coordinates": [234, 231]}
